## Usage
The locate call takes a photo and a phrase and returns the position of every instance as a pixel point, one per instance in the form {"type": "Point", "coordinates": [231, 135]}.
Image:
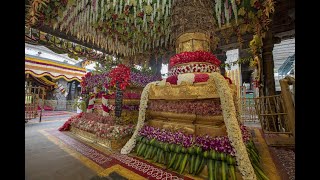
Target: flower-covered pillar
{"type": "Point", "coordinates": [120, 78]}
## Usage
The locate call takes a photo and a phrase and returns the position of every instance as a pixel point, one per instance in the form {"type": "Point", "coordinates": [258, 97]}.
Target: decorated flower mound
{"type": "Point", "coordinates": [67, 124]}
{"type": "Point", "coordinates": [101, 126]}
{"type": "Point", "coordinates": [178, 150]}
{"type": "Point", "coordinates": [197, 56]}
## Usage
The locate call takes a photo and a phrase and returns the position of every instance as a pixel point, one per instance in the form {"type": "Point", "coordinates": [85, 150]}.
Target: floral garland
{"type": "Point", "coordinates": [127, 148]}
{"type": "Point", "coordinates": [91, 103]}
{"type": "Point", "coordinates": [233, 130]}
{"type": "Point", "coordinates": [194, 68]}
{"type": "Point", "coordinates": [105, 107]}
{"type": "Point", "coordinates": [196, 56]}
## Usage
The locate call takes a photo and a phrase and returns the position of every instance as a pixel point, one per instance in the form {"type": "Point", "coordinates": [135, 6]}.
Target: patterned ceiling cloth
{"type": "Point", "coordinates": [55, 70]}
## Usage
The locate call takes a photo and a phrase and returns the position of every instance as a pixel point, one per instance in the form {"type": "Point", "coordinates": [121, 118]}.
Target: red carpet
{"type": "Point", "coordinates": [136, 165]}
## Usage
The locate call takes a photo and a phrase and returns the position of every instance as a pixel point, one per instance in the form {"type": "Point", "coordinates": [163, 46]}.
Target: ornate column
{"type": "Point", "coordinates": [192, 26]}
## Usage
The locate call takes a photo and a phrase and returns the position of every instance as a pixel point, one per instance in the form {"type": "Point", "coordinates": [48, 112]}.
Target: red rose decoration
{"type": "Point", "coordinates": [120, 74]}
{"type": "Point", "coordinates": [197, 56]}
{"type": "Point", "coordinates": [201, 78]}
{"type": "Point", "coordinates": [105, 109]}
{"type": "Point", "coordinates": [172, 79]}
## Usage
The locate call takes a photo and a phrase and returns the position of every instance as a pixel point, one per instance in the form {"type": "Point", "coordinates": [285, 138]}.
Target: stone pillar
{"type": "Point", "coordinates": [268, 65]}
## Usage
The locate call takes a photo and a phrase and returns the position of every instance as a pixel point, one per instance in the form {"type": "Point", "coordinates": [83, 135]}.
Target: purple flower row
{"type": "Point", "coordinates": [136, 79]}
{"type": "Point", "coordinates": [206, 142]}
{"type": "Point", "coordinates": [96, 81]}
{"type": "Point", "coordinates": [131, 107]}
{"type": "Point", "coordinates": [141, 79]}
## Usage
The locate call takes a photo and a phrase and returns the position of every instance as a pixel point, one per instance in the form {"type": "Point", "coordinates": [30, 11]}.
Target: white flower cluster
{"type": "Point", "coordinates": [233, 129]}
{"type": "Point", "coordinates": [188, 77]}
{"type": "Point", "coordinates": [127, 148]}
{"type": "Point", "coordinates": [193, 68]}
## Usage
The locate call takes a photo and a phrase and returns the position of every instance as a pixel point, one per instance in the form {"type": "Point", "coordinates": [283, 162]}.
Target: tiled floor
{"type": "Point", "coordinates": [46, 161]}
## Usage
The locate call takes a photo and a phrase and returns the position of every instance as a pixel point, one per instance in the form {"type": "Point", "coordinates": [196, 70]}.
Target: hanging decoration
{"type": "Point", "coordinates": [123, 27]}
